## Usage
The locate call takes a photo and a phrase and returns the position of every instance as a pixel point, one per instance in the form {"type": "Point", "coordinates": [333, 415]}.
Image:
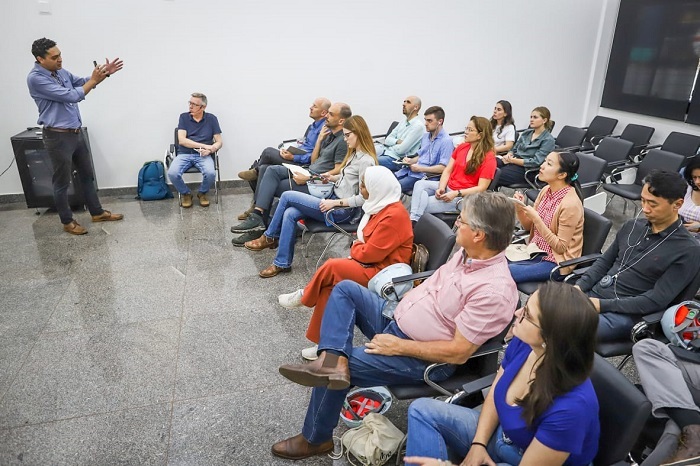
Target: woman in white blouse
{"type": "Point", "coordinates": [503, 127]}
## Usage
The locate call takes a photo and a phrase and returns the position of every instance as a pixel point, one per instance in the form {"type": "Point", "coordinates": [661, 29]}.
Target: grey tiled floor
{"type": "Point", "coordinates": [147, 341]}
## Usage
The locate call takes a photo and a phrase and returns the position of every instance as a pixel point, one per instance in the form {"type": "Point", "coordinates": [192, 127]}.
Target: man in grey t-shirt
{"type": "Point", "coordinates": [327, 156]}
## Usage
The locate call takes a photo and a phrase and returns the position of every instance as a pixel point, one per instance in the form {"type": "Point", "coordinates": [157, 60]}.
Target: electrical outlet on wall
{"type": "Point", "coordinates": [44, 7]}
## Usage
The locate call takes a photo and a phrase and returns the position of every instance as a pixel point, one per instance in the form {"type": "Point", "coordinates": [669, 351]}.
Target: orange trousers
{"type": "Point", "coordinates": [316, 293]}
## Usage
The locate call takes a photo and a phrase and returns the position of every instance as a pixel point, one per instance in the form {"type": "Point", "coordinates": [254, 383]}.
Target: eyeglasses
{"type": "Point", "coordinates": [192, 104]}
{"type": "Point", "coordinates": [471, 130]}
{"type": "Point", "coordinates": [347, 135]}
{"type": "Point", "coordinates": [459, 221]}
{"type": "Point", "coordinates": [527, 316]}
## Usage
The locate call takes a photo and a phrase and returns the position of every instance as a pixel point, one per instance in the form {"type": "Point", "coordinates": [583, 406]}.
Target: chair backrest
{"type": "Point", "coordinates": [493, 186]}
{"type": "Point", "coordinates": [570, 136]}
{"type": "Point", "coordinates": [595, 231]}
{"type": "Point", "coordinates": [435, 235]}
{"type": "Point", "coordinates": [640, 136]}
{"type": "Point", "coordinates": [600, 126]}
{"type": "Point", "coordinates": [613, 150]}
{"type": "Point", "coordinates": [682, 143]}
{"type": "Point", "coordinates": [393, 125]}
{"type": "Point", "coordinates": [623, 412]}
{"type": "Point", "coordinates": [658, 160]}
{"type": "Point", "coordinates": [176, 141]}
{"type": "Point", "coordinates": [590, 172]}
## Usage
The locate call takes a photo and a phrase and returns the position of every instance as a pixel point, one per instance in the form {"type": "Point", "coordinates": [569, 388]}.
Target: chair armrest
{"type": "Point", "coordinates": [654, 318]}
{"type": "Point", "coordinates": [478, 385]}
{"type": "Point", "coordinates": [329, 220]}
{"type": "Point", "coordinates": [569, 149]}
{"type": "Point", "coordinates": [595, 140]}
{"type": "Point", "coordinates": [642, 329]}
{"type": "Point", "coordinates": [413, 277]}
{"type": "Point", "coordinates": [587, 259]}
{"type": "Point", "coordinates": [624, 167]}
{"type": "Point", "coordinates": [286, 141]}
{"type": "Point", "coordinates": [457, 133]}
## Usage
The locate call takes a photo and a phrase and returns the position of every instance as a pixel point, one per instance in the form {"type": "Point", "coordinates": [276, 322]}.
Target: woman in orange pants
{"type": "Point", "coordinates": [384, 237]}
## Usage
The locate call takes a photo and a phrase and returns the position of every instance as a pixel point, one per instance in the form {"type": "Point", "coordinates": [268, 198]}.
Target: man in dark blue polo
{"type": "Point", "coordinates": [198, 137]}
{"type": "Point", "coordinates": [57, 92]}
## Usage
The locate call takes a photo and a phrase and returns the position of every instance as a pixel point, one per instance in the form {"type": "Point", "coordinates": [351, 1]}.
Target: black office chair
{"type": "Point", "coordinates": [622, 414]}
{"type": "Point", "coordinates": [569, 138]}
{"type": "Point", "coordinates": [380, 137]}
{"type": "Point", "coordinates": [437, 237]}
{"type": "Point", "coordinates": [450, 217]}
{"type": "Point", "coordinates": [314, 227]}
{"type": "Point", "coordinates": [599, 126]}
{"type": "Point", "coordinates": [614, 151]}
{"type": "Point", "coordinates": [640, 136]}
{"type": "Point", "coordinates": [655, 159]}
{"type": "Point", "coordinates": [172, 153]}
{"type": "Point", "coordinates": [679, 143]}
{"type": "Point", "coordinates": [595, 231]}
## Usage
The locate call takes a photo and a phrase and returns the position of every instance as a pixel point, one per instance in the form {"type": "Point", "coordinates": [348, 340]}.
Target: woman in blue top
{"type": "Point", "coordinates": [542, 409]}
{"type": "Point", "coordinates": [529, 151]}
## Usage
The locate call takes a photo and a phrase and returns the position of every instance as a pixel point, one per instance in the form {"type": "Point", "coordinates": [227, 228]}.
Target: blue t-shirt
{"type": "Point", "coordinates": [202, 131]}
{"type": "Point", "coordinates": [570, 424]}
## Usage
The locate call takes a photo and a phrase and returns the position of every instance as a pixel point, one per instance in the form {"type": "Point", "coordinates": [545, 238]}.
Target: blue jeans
{"type": "Point", "coordinates": [292, 207]}
{"type": "Point", "coordinates": [407, 183]}
{"type": "Point", "coordinates": [353, 305]}
{"type": "Point", "coordinates": [68, 150]}
{"type": "Point", "coordinates": [440, 430]}
{"type": "Point", "coordinates": [533, 270]}
{"type": "Point", "coordinates": [614, 326]}
{"type": "Point", "coordinates": [424, 200]}
{"type": "Point", "coordinates": [183, 162]}
{"type": "Point", "coordinates": [272, 182]}
{"type": "Point", "coordinates": [388, 162]}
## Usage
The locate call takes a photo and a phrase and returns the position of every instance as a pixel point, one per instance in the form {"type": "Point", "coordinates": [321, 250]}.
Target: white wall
{"type": "Point", "coordinates": [607, 31]}
{"type": "Point", "coordinates": [261, 63]}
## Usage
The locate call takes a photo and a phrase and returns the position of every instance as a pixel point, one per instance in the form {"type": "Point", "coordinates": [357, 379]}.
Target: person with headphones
{"type": "Point", "coordinates": [648, 265]}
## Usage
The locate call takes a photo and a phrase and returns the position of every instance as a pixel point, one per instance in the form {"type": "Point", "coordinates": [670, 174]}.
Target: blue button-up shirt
{"type": "Point", "coordinates": [309, 143]}
{"type": "Point", "coordinates": [56, 96]}
{"type": "Point", "coordinates": [432, 152]}
{"type": "Point", "coordinates": [409, 132]}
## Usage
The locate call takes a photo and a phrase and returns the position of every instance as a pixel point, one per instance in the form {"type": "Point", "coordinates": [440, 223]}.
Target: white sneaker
{"type": "Point", "coordinates": [310, 353]}
{"type": "Point", "coordinates": [291, 300]}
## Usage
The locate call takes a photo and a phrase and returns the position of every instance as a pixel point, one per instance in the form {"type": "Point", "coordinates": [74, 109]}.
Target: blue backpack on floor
{"type": "Point", "coordinates": [152, 185]}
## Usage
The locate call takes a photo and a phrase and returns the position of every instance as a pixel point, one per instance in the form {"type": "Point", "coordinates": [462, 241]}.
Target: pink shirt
{"type": "Point", "coordinates": [477, 297]}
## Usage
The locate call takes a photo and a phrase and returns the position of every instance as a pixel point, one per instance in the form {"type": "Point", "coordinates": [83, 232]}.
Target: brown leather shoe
{"type": "Point", "coordinates": [248, 175]}
{"type": "Point", "coordinates": [688, 452]}
{"type": "Point", "coordinates": [273, 271]}
{"type": "Point", "coordinates": [297, 448]}
{"type": "Point", "coordinates": [261, 243]}
{"type": "Point", "coordinates": [245, 214]}
{"type": "Point", "coordinates": [203, 201]}
{"type": "Point", "coordinates": [186, 201]}
{"type": "Point", "coordinates": [74, 228]}
{"type": "Point", "coordinates": [329, 370]}
{"type": "Point", "coordinates": [107, 216]}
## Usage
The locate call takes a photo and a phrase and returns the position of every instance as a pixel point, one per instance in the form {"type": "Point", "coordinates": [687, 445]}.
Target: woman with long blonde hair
{"type": "Point", "coordinates": [294, 206]}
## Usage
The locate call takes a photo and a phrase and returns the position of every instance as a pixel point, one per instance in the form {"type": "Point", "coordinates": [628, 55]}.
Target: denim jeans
{"type": "Point", "coordinates": [183, 162]}
{"type": "Point", "coordinates": [440, 430]}
{"type": "Point", "coordinates": [424, 200]}
{"type": "Point", "coordinates": [533, 270]}
{"type": "Point", "coordinates": [614, 326]}
{"type": "Point", "coordinates": [353, 305]}
{"type": "Point", "coordinates": [269, 156]}
{"type": "Point", "coordinates": [407, 183]}
{"type": "Point", "coordinates": [388, 162]}
{"type": "Point", "coordinates": [68, 150]}
{"type": "Point", "coordinates": [273, 183]}
{"type": "Point", "coordinates": [510, 173]}
{"type": "Point", "coordinates": [292, 207]}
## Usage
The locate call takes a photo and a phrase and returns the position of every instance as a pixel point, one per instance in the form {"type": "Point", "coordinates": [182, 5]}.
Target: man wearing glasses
{"type": "Point", "coordinates": [466, 302]}
{"type": "Point", "coordinates": [198, 137]}
{"type": "Point", "coordinates": [57, 92]}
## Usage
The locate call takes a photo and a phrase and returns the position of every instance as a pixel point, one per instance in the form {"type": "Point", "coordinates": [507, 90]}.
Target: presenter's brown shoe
{"type": "Point", "coordinates": [74, 228]}
{"type": "Point", "coordinates": [186, 201]}
{"type": "Point", "coordinates": [107, 216]}
{"type": "Point", "coordinates": [297, 448]}
{"type": "Point", "coordinates": [203, 201]}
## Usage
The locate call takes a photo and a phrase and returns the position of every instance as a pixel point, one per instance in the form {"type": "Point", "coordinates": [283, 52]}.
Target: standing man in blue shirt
{"type": "Point", "coordinates": [405, 138]}
{"type": "Point", "coordinates": [271, 156]}
{"type": "Point", "coordinates": [435, 151]}
{"type": "Point", "coordinates": [198, 138]}
{"type": "Point", "coordinates": [57, 92]}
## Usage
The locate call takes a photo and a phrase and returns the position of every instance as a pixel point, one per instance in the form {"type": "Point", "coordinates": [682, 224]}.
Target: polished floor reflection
{"type": "Point", "coordinates": [147, 341]}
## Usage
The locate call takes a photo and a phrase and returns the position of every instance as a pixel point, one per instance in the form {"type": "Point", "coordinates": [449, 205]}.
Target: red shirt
{"type": "Point", "coordinates": [460, 180]}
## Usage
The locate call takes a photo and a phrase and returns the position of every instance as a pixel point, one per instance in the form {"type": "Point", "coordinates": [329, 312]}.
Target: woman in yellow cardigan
{"type": "Point", "coordinates": [556, 220]}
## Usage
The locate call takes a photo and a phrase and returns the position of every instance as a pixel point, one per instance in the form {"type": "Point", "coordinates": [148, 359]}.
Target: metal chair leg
{"type": "Point", "coordinates": [323, 253]}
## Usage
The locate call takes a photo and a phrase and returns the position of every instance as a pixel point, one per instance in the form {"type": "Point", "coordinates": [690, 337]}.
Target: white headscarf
{"type": "Point", "coordinates": [383, 188]}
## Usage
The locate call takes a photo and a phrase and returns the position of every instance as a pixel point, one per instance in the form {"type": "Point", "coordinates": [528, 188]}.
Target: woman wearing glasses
{"type": "Point", "coordinates": [470, 170]}
{"type": "Point", "coordinates": [384, 237]}
{"type": "Point", "coordinates": [294, 206]}
{"type": "Point", "coordinates": [555, 222]}
{"type": "Point", "coordinates": [541, 410]}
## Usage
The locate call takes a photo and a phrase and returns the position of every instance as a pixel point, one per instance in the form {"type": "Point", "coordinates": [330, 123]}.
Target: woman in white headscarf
{"type": "Point", "coordinates": [384, 237]}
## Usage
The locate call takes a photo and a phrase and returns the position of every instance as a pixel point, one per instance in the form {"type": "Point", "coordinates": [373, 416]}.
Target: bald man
{"type": "Point", "coordinates": [405, 139]}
